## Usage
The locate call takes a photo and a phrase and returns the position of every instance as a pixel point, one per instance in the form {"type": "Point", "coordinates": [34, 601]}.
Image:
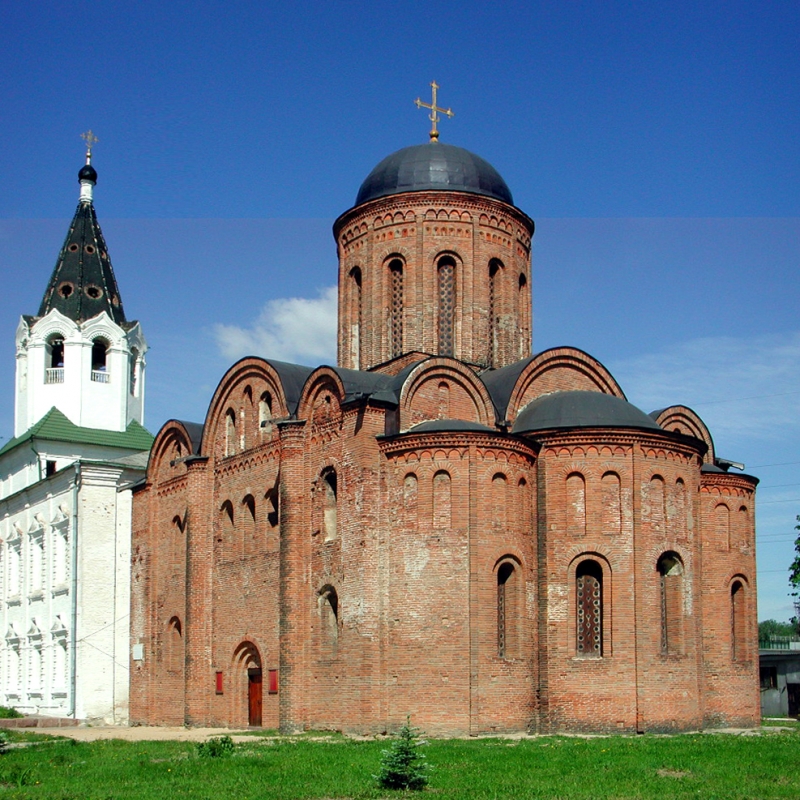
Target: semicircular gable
{"type": "Point", "coordinates": [252, 375]}
{"type": "Point", "coordinates": [561, 369]}
{"type": "Point", "coordinates": [316, 400]}
{"type": "Point", "coordinates": [443, 388]}
{"type": "Point", "coordinates": [172, 443]}
{"type": "Point", "coordinates": [681, 419]}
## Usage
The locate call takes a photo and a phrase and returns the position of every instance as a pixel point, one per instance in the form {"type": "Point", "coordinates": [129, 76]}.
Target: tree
{"type": "Point", "coordinates": [794, 574]}
{"type": "Point", "coordinates": [402, 765]}
{"type": "Point", "coordinates": [769, 628]}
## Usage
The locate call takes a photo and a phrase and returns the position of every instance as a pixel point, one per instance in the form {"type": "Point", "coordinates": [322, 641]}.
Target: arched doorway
{"type": "Point", "coordinates": [247, 662]}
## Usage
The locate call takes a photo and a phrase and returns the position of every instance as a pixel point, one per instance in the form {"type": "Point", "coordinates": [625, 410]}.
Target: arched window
{"type": "Point", "coordinates": [740, 650]}
{"type": "Point", "coordinates": [410, 496]}
{"type": "Point", "coordinates": [396, 305]}
{"type": "Point", "coordinates": [230, 432]}
{"type": "Point", "coordinates": [173, 646]}
{"type": "Point", "coordinates": [499, 499]}
{"type": "Point", "coordinates": [679, 523]}
{"type": "Point", "coordinates": [491, 344]}
{"type": "Point", "coordinates": [743, 527]}
{"type": "Point", "coordinates": [356, 305]}
{"type": "Point", "coordinates": [272, 507]}
{"type": "Point", "coordinates": [589, 618]}
{"type": "Point", "coordinates": [509, 604]}
{"type": "Point", "coordinates": [722, 523]}
{"type": "Point", "coordinates": [226, 531]}
{"type": "Point", "coordinates": [329, 617]}
{"type": "Point", "coordinates": [99, 361]}
{"type": "Point", "coordinates": [612, 503]}
{"type": "Point", "coordinates": [329, 511]}
{"type": "Point", "coordinates": [441, 500]}
{"type": "Point", "coordinates": [576, 504]}
{"type": "Point", "coordinates": [133, 370]}
{"type": "Point", "coordinates": [265, 411]}
{"type": "Point", "coordinates": [446, 287]}
{"type": "Point", "coordinates": [54, 372]}
{"type": "Point", "coordinates": [655, 505]}
{"type": "Point", "coordinates": [670, 575]}
{"type": "Point", "coordinates": [248, 523]}
{"type": "Point", "coordinates": [444, 400]}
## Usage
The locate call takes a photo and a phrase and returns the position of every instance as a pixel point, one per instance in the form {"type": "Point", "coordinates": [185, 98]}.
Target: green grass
{"type": "Point", "coordinates": [705, 766]}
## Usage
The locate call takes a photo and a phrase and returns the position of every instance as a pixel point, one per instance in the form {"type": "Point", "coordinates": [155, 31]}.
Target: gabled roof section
{"type": "Point", "coordinates": [55, 427]}
{"type": "Point", "coordinates": [82, 284]}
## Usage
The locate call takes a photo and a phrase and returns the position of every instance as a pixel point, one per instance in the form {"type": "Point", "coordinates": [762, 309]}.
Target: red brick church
{"type": "Point", "coordinates": [443, 524]}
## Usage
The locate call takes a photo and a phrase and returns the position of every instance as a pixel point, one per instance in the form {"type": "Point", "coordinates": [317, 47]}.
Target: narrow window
{"type": "Point", "coordinates": [446, 272]}
{"type": "Point", "coordinates": [655, 505]}
{"type": "Point", "coordinates": [272, 507]}
{"type": "Point", "coordinates": [329, 511]}
{"type": "Point", "coordinates": [670, 574]}
{"type": "Point", "coordinates": [491, 343]}
{"type": "Point", "coordinates": [226, 531]}
{"type": "Point", "coordinates": [99, 361]}
{"type": "Point", "coordinates": [396, 305]}
{"type": "Point", "coordinates": [739, 648]}
{"type": "Point", "coordinates": [248, 526]}
{"type": "Point", "coordinates": [722, 523]}
{"type": "Point", "coordinates": [499, 500]}
{"type": "Point", "coordinates": [355, 316]}
{"type": "Point", "coordinates": [679, 520]}
{"type": "Point", "coordinates": [49, 468]}
{"type": "Point", "coordinates": [743, 527]}
{"type": "Point", "coordinates": [441, 500]}
{"type": "Point", "coordinates": [329, 617]}
{"type": "Point", "coordinates": [134, 368]}
{"type": "Point", "coordinates": [612, 503]}
{"type": "Point", "coordinates": [589, 593]}
{"type": "Point", "coordinates": [265, 411]}
{"type": "Point", "coordinates": [230, 432]}
{"type": "Point", "coordinates": [444, 400]}
{"type": "Point", "coordinates": [576, 504]}
{"type": "Point", "coordinates": [410, 494]}
{"type": "Point", "coordinates": [174, 646]}
{"type": "Point", "coordinates": [508, 609]}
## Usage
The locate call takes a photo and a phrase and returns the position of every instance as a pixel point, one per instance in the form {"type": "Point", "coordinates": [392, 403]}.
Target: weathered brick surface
{"type": "Point", "coordinates": [378, 570]}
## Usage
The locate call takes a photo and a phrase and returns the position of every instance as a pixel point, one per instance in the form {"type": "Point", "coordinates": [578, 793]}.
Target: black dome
{"type": "Point", "coordinates": [433, 167]}
{"type": "Point", "coordinates": [88, 173]}
{"type": "Point", "coordinates": [580, 410]}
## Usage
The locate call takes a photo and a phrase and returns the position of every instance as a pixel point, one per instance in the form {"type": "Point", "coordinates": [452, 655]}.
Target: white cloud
{"type": "Point", "coordinates": [741, 387]}
{"type": "Point", "coordinates": [295, 329]}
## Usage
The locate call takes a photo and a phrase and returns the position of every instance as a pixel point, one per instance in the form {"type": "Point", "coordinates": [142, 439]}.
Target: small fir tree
{"type": "Point", "coordinates": [402, 765]}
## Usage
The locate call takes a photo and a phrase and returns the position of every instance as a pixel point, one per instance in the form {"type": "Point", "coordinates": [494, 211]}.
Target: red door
{"type": "Point", "coordinates": [254, 697]}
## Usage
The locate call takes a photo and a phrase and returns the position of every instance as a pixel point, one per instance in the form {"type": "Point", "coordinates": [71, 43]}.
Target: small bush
{"type": "Point", "coordinates": [3, 742]}
{"type": "Point", "coordinates": [6, 712]}
{"type": "Point", "coordinates": [402, 765]}
{"type": "Point", "coordinates": [216, 747]}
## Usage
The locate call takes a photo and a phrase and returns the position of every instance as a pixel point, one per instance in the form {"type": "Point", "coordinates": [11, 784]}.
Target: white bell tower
{"type": "Point", "coordinates": [79, 353]}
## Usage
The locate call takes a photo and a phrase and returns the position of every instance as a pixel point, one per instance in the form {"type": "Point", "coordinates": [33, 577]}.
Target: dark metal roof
{"type": "Point", "coordinates": [293, 378]}
{"type": "Point", "coordinates": [581, 410]}
{"type": "Point", "coordinates": [501, 382]}
{"type": "Point", "coordinates": [195, 432]}
{"type": "Point", "coordinates": [82, 284]}
{"type": "Point", "coordinates": [433, 167]}
{"type": "Point", "coordinates": [435, 425]}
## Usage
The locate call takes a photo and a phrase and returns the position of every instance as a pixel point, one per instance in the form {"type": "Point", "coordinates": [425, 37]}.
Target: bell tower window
{"type": "Point", "coordinates": [446, 273]}
{"type": "Point", "coordinates": [54, 373]}
{"type": "Point", "coordinates": [99, 361]}
{"type": "Point", "coordinates": [356, 304]}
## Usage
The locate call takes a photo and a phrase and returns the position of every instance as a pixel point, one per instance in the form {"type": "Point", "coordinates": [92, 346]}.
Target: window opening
{"type": "Point", "coordinates": [491, 344]}
{"type": "Point", "coordinates": [670, 571]}
{"type": "Point", "coordinates": [99, 361]}
{"type": "Point", "coordinates": [329, 504]}
{"type": "Point", "coordinates": [507, 611]}
{"type": "Point", "coordinates": [447, 300]}
{"type": "Point", "coordinates": [589, 590]}
{"type": "Point", "coordinates": [396, 273]}
{"type": "Point", "coordinates": [54, 373]}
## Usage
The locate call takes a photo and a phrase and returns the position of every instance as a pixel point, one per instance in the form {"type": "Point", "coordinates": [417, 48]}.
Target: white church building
{"type": "Point", "coordinates": [65, 512]}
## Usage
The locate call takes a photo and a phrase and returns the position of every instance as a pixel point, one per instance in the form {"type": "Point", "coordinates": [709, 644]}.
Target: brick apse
{"type": "Point", "coordinates": [442, 525]}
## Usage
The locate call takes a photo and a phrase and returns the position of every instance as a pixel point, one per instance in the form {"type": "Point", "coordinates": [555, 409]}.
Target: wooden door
{"type": "Point", "coordinates": [254, 696]}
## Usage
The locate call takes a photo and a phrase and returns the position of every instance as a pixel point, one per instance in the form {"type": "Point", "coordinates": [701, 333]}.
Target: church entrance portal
{"type": "Point", "coordinates": [254, 697]}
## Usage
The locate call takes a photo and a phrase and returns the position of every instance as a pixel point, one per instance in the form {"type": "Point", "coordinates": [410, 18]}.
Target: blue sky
{"type": "Point", "coordinates": [656, 146]}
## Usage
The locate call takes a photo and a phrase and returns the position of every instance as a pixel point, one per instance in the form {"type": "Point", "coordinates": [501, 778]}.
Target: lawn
{"type": "Point", "coordinates": [708, 766]}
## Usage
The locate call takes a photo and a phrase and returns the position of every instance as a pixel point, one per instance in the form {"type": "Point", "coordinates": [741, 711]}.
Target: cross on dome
{"type": "Point", "coordinates": [435, 111]}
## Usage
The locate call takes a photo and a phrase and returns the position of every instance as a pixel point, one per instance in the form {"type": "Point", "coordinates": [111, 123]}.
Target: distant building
{"type": "Point", "coordinates": [64, 512]}
{"type": "Point", "coordinates": [442, 525]}
{"type": "Point", "coordinates": [779, 666]}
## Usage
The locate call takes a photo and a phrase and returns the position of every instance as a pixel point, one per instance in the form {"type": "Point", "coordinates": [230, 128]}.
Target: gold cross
{"type": "Point", "coordinates": [91, 140]}
{"type": "Point", "coordinates": [435, 111]}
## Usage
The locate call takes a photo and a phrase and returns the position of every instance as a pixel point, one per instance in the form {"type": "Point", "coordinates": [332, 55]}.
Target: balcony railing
{"type": "Point", "coordinates": [54, 375]}
{"type": "Point", "coordinates": [100, 376]}
{"type": "Point", "coordinates": [779, 643]}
